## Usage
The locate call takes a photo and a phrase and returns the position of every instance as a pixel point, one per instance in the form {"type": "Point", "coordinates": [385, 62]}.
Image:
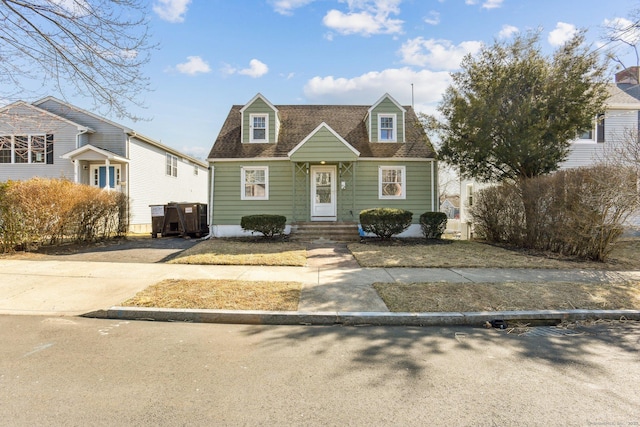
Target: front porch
{"type": "Point", "coordinates": [99, 168]}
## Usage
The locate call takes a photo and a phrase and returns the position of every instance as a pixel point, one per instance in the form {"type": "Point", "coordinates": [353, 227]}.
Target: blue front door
{"type": "Point", "coordinates": [102, 176]}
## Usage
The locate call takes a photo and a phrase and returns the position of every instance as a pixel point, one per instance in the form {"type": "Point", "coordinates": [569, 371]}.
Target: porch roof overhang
{"type": "Point", "coordinates": [92, 153]}
{"type": "Point", "coordinates": [323, 143]}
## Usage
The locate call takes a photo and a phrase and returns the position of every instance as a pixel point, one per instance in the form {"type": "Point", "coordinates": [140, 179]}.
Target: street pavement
{"type": "Point", "coordinates": [335, 290]}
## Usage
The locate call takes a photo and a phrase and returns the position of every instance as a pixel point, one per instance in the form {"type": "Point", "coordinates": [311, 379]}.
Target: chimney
{"type": "Point", "coordinates": [628, 75]}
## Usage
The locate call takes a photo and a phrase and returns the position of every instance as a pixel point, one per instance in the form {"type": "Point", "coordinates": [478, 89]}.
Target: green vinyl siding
{"type": "Point", "coordinates": [258, 107]}
{"type": "Point", "coordinates": [418, 187]}
{"type": "Point", "coordinates": [323, 146]}
{"type": "Point", "coordinates": [387, 106]}
{"type": "Point", "coordinates": [289, 184]}
{"type": "Point", "coordinates": [228, 207]}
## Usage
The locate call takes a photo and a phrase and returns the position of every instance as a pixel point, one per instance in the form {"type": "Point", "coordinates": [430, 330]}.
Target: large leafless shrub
{"type": "Point", "coordinates": [579, 212]}
{"type": "Point", "coordinates": [48, 211]}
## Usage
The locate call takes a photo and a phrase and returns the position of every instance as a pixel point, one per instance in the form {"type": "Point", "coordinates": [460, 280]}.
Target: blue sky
{"type": "Point", "coordinates": [216, 53]}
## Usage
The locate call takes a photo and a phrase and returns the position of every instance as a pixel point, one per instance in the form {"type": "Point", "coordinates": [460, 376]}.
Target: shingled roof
{"type": "Point", "coordinates": [624, 94]}
{"type": "Point", "coordinates": [298, 121]}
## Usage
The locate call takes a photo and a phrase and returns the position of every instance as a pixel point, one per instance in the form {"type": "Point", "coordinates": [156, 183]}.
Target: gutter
{"type": "Point", "coordinates": [212, 170]}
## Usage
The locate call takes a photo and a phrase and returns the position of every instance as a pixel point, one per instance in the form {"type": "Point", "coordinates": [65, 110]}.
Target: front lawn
{"type": "Point", "coordinates": [420, 253]}
{"type": "Point", "coordinates": [244, 252]}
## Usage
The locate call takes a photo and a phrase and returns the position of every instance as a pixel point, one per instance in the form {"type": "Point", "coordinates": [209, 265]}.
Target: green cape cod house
{"type": "Point", "coordinates": [320, 165]}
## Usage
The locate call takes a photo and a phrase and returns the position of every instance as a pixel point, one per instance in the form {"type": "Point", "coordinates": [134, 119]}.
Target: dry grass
{"type": "Point", "coordinates": [446, 297]}
{"type": "Point", "coordinates": [220, 295]}
{"type": "Point", "coordinates": [244, 252]}
{"type": "Point", "coordinates": [461, 253]}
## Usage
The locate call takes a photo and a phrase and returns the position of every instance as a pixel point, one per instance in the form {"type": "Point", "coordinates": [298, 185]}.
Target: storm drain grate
{"type": "Point", "coordinates": [548, 331]}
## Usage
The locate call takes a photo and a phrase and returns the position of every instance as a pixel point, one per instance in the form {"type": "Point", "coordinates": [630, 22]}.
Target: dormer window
{"type": "Point", "coordinates": [387, 128]}
{"type": "Point", "coordinates": [259, 127]}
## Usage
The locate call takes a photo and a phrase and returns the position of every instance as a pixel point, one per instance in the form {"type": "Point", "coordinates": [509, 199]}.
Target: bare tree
{"type": "Point", "coordinates": [620, 36]}
{"type": "Point", "coordinates": [96, 48]}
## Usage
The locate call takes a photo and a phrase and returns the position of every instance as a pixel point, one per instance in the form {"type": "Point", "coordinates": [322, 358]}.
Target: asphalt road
{"type": "Point", "coordinates": [76, 371]}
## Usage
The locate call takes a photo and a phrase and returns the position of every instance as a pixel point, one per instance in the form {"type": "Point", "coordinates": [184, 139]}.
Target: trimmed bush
{"type": "Point", "coordinates": [433, 224]}
{"type": "Point", "coordinates": [268, 225]}
{"type": "Point", "coordinates": [385, 222]}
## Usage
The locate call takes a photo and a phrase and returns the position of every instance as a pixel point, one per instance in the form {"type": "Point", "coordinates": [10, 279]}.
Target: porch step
{"type": "Point", "coordinates": [324, 230]}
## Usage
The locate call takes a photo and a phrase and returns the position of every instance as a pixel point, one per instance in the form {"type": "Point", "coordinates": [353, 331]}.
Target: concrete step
{"type": "Point", "coordinates": [325, 230]}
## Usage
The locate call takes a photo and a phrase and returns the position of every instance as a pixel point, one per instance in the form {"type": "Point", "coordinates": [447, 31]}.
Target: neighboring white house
{"type": "Point", "coordinates": [53, 139]}
{"type": "Point", "coordinates": [620, 119]}
{"type": "Point", "coordinates": [612, 128]}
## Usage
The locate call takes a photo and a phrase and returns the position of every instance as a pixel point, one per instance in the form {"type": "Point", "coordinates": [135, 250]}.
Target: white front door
{"type": "Point", "coordinates": [323, 193]}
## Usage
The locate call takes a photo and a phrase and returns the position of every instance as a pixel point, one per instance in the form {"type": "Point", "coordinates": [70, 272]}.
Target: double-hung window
{"type": "Point", "coordinates": [255, 183]}
{"type": "Point", "coordinates": [392, 182]}
{"type": "Point", "coordinates": [172, 165]}
{"type": "Point", "coordinates": [259, 127]}
{"type": "Point", "coordinates": [387, 128]}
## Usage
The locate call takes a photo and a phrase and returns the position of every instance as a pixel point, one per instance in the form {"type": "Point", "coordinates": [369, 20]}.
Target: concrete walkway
{"type": "Point", "coordinates": [335, 289]}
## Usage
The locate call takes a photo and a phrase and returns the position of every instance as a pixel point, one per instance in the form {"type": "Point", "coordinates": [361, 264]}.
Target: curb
{"type": "Point", "coordinates": [356, 318]}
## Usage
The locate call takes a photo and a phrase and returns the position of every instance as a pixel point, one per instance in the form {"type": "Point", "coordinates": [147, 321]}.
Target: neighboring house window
{"type": "Point", "coordinates": [387, 127]}
{"type": "Point", "coordinates": [392, 182]}
{"type": "Point", "coordinates": [259, 127]}
{"type": "Point", "coordinates": [26, 149]}
{"type": "Point", "coordinates": [6, 149]}
{"type": "Point", "coordinates": [255, 183]}
{"type": "Point", "coordinates": [172, 165]}
{"type": "Point", "coordinates": [596, 133]}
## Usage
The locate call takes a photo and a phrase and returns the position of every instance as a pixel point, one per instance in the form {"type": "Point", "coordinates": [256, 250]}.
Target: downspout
{"type": "Point", "coordinates": [433, 187]}
{"type": "Point", "coordinates": [212, 170]}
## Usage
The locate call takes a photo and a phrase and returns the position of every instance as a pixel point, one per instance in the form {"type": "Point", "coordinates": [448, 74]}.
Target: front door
{"type": "Point", "coordinates": [99, 176]}
{"type": "Point", "coordinates": [323, 193]}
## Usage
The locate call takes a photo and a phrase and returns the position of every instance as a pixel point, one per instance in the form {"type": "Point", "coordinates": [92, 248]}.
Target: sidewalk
{"type": "Point", "coordinates": [335, 290]}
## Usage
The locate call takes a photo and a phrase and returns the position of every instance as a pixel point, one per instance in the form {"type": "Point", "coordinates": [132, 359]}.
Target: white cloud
{"type": "Point", "coordinates": [488, 4]}
{"type": "Point", "coordinates": [437, 54]}
{"type": "Point", "coordinates": [76, 8]}
{"type": "Point", "coordinates": [171, 10]}
{"type": "Point", "coordinates": [286, 7]}
{"type": "Point", "coordinates": [256, 69]}
{"type": "Point", "coordinates": [433, 18]}
{"type": "Point", "coordinates": [194, 65]}
{"type": "Point", "coordinates": [492, 4]}
{"type": "Point", "coordinates": [428, 87]}
{"type": "Point", "coordinates": [622, 29]}
{"type": "Point", "coordinates": [365, 17]}
{"type": "Point", "coordinates": [507, 31]}
{"type": "Point", "coordinates": [561, 34]}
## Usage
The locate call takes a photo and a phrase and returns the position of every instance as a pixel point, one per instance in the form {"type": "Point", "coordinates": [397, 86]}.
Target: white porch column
{"type": "Point", "coordinates": [76, 171]}
{"type": "Point", "coordinates": [106, 184]}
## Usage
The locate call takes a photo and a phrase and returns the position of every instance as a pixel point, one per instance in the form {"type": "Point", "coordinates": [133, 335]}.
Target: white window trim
{"type": "Point", "coordinates": [243, 195]}
{"type": "Point", "coordinates": [395, 127]}
{"type": "Point", "coordinates": [30, 151]}
{"type": "Point", "coordinates": [594, 133]}
{"type": "Point", "coordinates": [266, 128]}
{"type": "Point", "coordinates": [403, 196]}
{"type": "Point", "coordinates": [174, 169]}
{"type": "Point", "coordinates": [93, 172]}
